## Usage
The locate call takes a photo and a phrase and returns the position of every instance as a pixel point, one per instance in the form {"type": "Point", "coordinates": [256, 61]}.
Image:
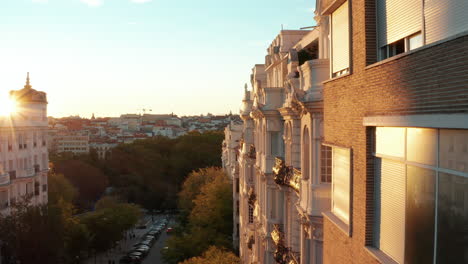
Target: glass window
{"type": "Point", "coordinates": [420, 204]}
{"type": "Point", "coordinates": [390, 141]}
{"type": "Point", "coordinates": [326, 164]}
{"type": "Point", "coordinates": [422, 145]}
{"type": "Point", "coordinates": [452, 219]}
{"type": "Point", "coordinates": [452, 149]}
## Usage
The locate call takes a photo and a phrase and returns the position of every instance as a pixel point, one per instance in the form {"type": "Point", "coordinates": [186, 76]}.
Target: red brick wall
{"type": "Point", "coordinates": [431, 80]}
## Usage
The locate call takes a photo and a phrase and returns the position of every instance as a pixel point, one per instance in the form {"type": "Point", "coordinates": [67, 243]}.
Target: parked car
{"type": "Point", "coordinates": [169, 230]}
{"type": "Point", "coordinates": [143, 249]}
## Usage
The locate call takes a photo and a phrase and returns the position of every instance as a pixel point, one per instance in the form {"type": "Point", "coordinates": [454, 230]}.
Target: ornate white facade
{"type": "Point", "coordinates": [24, 160]}
{"type": "Point", "coordinates": [284, 171]}
{"type": "Point", "coordinates": [233, 134]}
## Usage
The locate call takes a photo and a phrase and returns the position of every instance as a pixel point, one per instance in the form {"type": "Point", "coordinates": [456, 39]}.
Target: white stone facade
{"type": "Point", "coordinates": [233, 134]}
{"type": "Point", "coordinates": [284, 170]}
{"type": "Point", "coordinates": [24, 160]}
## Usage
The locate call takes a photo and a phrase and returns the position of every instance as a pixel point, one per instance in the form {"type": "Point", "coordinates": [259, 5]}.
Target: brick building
{"type": "Point", "coordinates": [397, 123]}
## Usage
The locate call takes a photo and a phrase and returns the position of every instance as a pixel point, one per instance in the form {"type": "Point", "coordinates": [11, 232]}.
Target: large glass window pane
{"type": "Point", "coordinates": [452, 223]}
{"type": "Point", "coordinates": [453, 149]}
{"type": "Point", "coordinates": [420, 215]}
{"type": "Point", "coordinates": [422, 145]}
{"type": "Point", "coordinates": [390, 141]}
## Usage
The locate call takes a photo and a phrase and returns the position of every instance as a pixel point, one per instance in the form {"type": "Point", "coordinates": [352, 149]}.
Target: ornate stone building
{"type": "Point", "coordinates": [349, 137]}
{"type": "Point", "coordinates": [230, 156]}
{"type": "Point", "coordinates": [24, 161]}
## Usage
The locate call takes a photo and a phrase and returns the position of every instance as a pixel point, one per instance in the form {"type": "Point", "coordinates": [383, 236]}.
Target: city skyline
{"type": "Point", "coordinates": [117, 57]}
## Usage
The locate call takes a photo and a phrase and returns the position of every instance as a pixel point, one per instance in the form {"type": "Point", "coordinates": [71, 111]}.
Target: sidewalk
{"type": "Point", "coordinates": [124, 246]}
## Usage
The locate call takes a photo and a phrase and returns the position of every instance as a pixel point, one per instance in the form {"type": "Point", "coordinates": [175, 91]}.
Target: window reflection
{"type": "Point", "coordinates": [420, 216]}
{"type": "Point", "coordinates": [452, 237]}
{"type": "Point", "coordinates": [453, 149]}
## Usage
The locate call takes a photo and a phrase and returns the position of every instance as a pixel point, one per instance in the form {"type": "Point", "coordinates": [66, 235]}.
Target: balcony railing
{"type": "Point", "coordinates": [4, 178]}
{"type": "Point", "coordinates": [287, 175]}
{"type": "Point", "coordinates": [29, 172]}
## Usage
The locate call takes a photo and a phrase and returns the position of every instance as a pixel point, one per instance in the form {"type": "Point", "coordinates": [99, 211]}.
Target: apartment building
{"type": "Point", "coordinates": [24, 158]}
{"type": "Point", "coordinates": [76, 142]}
{"type": "Point", "coordinates": [230, 155]}
{"type": "Point", "coordinates": [354, 144]}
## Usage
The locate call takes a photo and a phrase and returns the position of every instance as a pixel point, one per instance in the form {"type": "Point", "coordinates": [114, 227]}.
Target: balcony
{"type": "Point", "coordinates": [29, 172]}
{"type": "Point", "coordinates": [286, 175]}
{"type": "Point", "coordinates": [4, 178]}
{"type": "Point", "coordinates": [313, 73]}
{"type": "Point", "coordinates": [283, 254]}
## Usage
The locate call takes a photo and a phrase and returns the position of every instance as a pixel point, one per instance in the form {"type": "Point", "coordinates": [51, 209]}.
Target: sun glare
{"type": "Point", "coordinates": [7, 106]}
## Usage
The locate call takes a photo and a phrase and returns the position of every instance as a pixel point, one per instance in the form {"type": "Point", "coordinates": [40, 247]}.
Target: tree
{"type": "Point", "coordinates": [60, 188]}
{"type": "Point", "coordinates": [108, 224]}
{"type": "Point", "coordinates": [209, 221]}
{"type": "Point", "coordinates": [192, 187]}
{"type": "Point", "coordinates": [26, 233]}
{"type": "Point", "coordinates": [89, 180]}
{"type": "Point", "coordinates": [214, 255]}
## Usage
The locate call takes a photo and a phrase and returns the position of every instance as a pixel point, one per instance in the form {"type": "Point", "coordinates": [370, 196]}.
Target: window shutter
{"type": "Point", "coordinates": [397, 19]}
{"type": "Point", "coordinates": [341, 183]}
{"type": "Point", "coordinates": [442, 24]}
{"type": "Point", "coordinates": [391, 193]}
{"type": "Point", "coordinates": [340, 38]}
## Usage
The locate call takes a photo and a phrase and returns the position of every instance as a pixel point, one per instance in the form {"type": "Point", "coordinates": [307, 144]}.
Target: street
{"type": "Point", "coordinates": [125, 245]}
{"type": "Point", "coordinates": [154, 257]}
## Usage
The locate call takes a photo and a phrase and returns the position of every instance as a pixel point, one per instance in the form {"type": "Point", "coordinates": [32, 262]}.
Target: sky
{"type": "Point", "coordinates": [112, 57]}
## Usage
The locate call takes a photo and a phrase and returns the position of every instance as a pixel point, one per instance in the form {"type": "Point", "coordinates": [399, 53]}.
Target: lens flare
{"type": "Point", "coordinates": [7, 106]}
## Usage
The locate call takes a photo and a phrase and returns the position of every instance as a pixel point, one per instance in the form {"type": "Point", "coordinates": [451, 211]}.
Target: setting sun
{"type": "Point", "coordinates": [7, 106]}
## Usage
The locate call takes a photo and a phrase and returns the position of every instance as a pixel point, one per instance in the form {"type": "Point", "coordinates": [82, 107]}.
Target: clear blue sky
{"type": "Point", "coordinates": [117, 56]}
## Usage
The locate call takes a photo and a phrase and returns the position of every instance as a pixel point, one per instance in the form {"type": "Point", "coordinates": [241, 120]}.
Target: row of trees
{"type": "Point", "coordinates": [205, 231]}
{"type": "Point", "coordinates": [52, 233]}
{"type": "Point", "coordinates": [148, 172]}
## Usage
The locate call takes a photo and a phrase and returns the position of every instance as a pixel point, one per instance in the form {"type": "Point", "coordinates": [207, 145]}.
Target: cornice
{"type": "Point", "coordinates": [289, 112]}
